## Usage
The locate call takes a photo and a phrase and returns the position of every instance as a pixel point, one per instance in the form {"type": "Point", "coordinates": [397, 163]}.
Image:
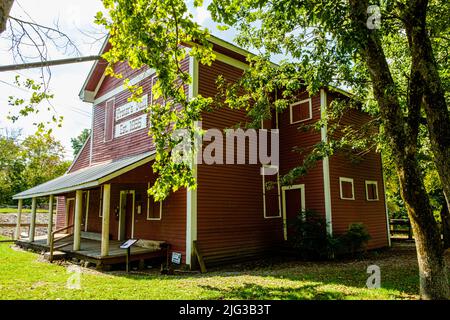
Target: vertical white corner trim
{"type": "Point", "coordinates": [326, 165]}
{"type": "Point", "coordinates": [388, 228]}
{"type": "Point", "coordinates": [191, 194]}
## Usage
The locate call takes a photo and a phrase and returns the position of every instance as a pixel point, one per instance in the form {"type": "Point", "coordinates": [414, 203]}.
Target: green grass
{"type": "Point", "coordinates": [14, 210]}
{"type": "Point", "coordinates": [24, 275]}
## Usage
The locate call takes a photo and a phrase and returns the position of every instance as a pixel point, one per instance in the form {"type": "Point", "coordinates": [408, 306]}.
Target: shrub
{"type": "Point", "coordinates": [311, 240]}
{"type": "Point", "coordinates": [310, 237]}
{"type": "Point", "coordinates": [355, 239]}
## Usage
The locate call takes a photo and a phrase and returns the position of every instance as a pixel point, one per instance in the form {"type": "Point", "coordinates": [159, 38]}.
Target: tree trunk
{"type": "Point", "coordinates": [5, 8]}
{"type": "Point", "coordinates": [432, 269]}
{"type": "Point", "coordinates": [445, 225]}
{"type": "Point", "coordinates": [424, 63]}
{"type": "Point", "coordinates": [402, 137]}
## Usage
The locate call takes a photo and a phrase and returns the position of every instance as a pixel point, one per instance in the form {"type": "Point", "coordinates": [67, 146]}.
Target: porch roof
{"type": "Point", "coordinates": [88, 177]}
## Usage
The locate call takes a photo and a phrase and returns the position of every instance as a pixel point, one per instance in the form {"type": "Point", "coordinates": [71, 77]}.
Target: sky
{"type": "Point", "coordinates": [76, 19]}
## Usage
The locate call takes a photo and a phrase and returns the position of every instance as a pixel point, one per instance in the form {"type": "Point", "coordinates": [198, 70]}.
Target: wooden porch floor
{"type": "Point", "coordinates": [90, 250]}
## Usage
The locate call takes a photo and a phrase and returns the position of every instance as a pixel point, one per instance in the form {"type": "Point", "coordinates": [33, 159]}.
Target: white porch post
{"type": "Point", "coordinates": [33, 220]}
{"type": "Point", "coordinates": [19, 220]}
{"type": "Point", "coordinates": [77, 220]}
{"type": "Point", "coordinates": [105, 219]}
{"type": "Point", "coordinates": [50, 218]}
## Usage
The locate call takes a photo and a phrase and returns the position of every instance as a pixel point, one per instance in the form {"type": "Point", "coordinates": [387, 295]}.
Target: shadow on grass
{"type": "Point", "coordinates": [251, 291]}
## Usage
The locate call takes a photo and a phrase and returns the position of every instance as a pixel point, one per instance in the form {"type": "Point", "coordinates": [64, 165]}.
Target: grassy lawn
{"type": "Point", "coordinates": [24, 275]}
{"type": "Point", "coordinates": [14, 210]}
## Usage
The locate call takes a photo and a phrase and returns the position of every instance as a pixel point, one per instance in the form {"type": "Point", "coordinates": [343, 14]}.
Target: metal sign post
{"type": "Point", "coordinates": [127, 245]}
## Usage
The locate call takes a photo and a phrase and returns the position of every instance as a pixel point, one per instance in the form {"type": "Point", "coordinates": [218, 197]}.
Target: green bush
{"type": "Point", "coordinates": [311, 240]}
{"type": "Point", "coordinates": [355, 239]}
{"type": "Point", "coordinates": [310, 237]}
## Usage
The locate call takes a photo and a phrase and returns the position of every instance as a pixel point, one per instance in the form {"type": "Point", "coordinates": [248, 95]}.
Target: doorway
{"type": "Point", "coordinates": [293, 205]}
{"type": "Point", "coordinates": [70, 211]}
{"type": "Point", "coordinates": [126, 215]}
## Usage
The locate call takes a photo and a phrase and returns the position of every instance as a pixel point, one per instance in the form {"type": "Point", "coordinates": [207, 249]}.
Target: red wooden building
{"type": "Point", "coordinates": [230, 215]}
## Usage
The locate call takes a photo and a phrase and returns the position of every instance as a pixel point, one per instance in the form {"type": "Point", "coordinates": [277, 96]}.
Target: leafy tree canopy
{"type": "Point", "coordinates": [78, 141]}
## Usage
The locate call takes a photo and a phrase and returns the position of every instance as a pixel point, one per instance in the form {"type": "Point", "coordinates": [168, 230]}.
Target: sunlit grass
{"type": "Point", "coordinates": [24, 275]}
{"type": "Point", "coordinates": [14, 210]}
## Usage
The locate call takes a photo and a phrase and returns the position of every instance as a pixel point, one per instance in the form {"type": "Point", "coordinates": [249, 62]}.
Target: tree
{"type": "Point", "coordinates": [342, 42]}
{"type": "Point", "coordinates": [391, 67]}
{"type": "Point", "coordinates": [11, 166]}
{"type": "Point", "coordinates": [44, 160]}
{"type": "Point", "coordinates": [23, 165]}
{"type": "Point", "coordinates": [78, 142]}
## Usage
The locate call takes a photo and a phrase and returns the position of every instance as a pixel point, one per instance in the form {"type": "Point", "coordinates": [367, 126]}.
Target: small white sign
{"type": "Point", "coordinates": [131, 108]}
{"type": "Point", "coordinates": [131, 125]}
{"type": "Point", "coordinates": [176, 257]}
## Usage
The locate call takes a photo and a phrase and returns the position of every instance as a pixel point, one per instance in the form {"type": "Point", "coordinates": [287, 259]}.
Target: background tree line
{"type": "Point", "coordinates": [28, 162]}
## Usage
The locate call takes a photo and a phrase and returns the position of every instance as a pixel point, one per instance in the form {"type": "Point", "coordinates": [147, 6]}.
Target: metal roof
{"type": "Point", "coordinates": [88, 177]}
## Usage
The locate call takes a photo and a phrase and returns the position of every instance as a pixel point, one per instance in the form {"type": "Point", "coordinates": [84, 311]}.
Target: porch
{"type": "Point", "coordinates": [103, 204]}
{"type": "Point", "coordinates": [90, 250]}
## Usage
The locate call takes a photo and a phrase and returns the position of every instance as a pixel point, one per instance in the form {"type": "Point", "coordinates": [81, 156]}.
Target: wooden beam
{"type": "Point", "coordinates": [199, 255]}
{"type": "Point", "coordinates": [77, 220]}
{"type": "Point", "coordinates": [50, 218]}
{"type": "Point", "coordinates": [105, 219]}
{"type": "Point", "coordinates": [19, 219]}
{"type": "Point", "coordinates": [41, 64]}
{"type": "Point", "coordinates": [33, 220]}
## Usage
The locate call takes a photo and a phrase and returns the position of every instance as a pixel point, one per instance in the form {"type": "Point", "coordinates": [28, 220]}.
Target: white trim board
{"type": "Point", "coordinates": [191, 194]}
{"type": "Point", "coordinates": [326, 165]}
{"type": "Point", "coordinates": [120, 88]}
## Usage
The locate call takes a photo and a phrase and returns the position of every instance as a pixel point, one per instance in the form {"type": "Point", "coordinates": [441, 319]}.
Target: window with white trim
{"type": "Point", "coordinates": [271, 199]}
{"type": "Point", "coordinates": [372, 190]}
{"type": "Point", "coordinates": [300, 111]}
{"type": "Point", "coordinates": [154, 208]}
{"type": "Point", "coordinates": [346, 188]}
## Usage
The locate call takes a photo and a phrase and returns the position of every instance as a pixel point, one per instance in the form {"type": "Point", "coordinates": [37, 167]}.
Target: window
{"type": "Point", "coordinates": [271, 200]}
{"type": "Point", "coordinates": [301, 111]}
{"type": "Point", "coordinates": [154, 208]}
{"type": "Point", "coordinates": [347, 190]}
{"type": "Point", "coordinates": [372, 190]}
{"type": "Point", "coordinates": [109, 120]}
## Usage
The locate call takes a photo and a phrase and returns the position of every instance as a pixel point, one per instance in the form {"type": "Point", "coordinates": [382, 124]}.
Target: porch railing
{"type": "Point", "coordinates": [53, 241]}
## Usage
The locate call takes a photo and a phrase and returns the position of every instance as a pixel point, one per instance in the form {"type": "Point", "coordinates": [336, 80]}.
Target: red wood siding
{"type": "Point", "coordinates": [344, 212]}
{"type": "Point", "coordinates": [292, 137]}
{"type": "Point", "coordinates": [230, 218]}
{"type": "Point", "coordinates": [60, 212]}
{"type": "Point", "coordinates": [82, 160]}
{"type": "Point", "coordinates": [130, 144]}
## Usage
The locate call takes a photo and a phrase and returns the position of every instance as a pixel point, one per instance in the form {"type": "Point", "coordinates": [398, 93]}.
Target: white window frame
{"type": "Point", "coordinates": [148, 208]}
{"type": "Point", "coordinates": [367, 182]}
{"type": "Point", "coordinates": [113, 118]}
{"type": "Point", "coordinates": [343, 179]}
{"type": "Point", "coordinates": [278, 194]}
{"type": "Point", "coordinates": [309, 100]}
